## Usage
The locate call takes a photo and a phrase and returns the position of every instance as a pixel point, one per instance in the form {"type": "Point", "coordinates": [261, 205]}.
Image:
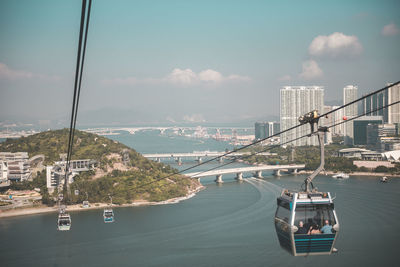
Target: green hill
{"type": "Point", "coordinates": [126, 182]}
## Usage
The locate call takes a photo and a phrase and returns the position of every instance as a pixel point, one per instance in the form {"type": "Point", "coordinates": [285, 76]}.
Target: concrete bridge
{"type": "Point", "coordinates": [257, 170]}
{"type": "Point", "coordinates": [199, 155]}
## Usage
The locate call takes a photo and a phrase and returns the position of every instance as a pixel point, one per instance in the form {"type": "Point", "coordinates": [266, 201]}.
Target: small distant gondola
{"type": "Point", "coordinates": [306, 221]}
{"type": "Point", "coordinates": [64, 221]}
{"type": "Point", "coordinates": [108, 215]}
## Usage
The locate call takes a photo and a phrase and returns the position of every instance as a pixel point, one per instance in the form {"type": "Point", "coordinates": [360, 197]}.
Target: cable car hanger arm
{"type": "Point", "coordinates": [312, 118]}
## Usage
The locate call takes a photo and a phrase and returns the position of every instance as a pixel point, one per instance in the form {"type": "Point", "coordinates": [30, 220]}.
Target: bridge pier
{"type": "Point", "coordinates": [239, 176]}
{"type": "Point", "coordinates": [277, 172]}
{"type": "Point", "coordinates": [294, 171]}
{"type": "Point", "coordinates": [179, 160]}
{"type": "Point", "coordinates": [218, 180]}
{"type": "Point", "coordinates": [199, 159]}
{"type": "Point", "coordinates": [158, 160]}
{"type": "Point", "coordinates": [258, 174]}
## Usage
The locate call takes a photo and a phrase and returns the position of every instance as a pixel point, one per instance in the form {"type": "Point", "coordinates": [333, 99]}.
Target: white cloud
{"type": "Point", "coordinates": [390, 30]}
{"type": "Point", "coordinates": [334, 45]}
{"type": "Point", "coordinates": [238, 78]}
{"type": "Point", "coordinates": [210, 76]}
{"type": "Point", "coordinates": [194, 118]}
{"type": "Point", "coordinates": [8, 73]}
{"type": "Point", "coordinates": [311, 70]}
{"type": "Point", "coordinates": [186, 76]}
{"type": "Point", "coordinates": [183, 77]}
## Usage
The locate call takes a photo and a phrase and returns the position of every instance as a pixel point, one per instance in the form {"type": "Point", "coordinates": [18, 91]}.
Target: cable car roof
{"type": "Point", "coordinates": [306, 197]}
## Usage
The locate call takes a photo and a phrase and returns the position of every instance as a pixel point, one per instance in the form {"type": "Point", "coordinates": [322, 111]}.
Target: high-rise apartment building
{"type": "Point", "coordinates": [265, 129]}
{"type": "Point", "coordinates": [296, 101]}
{"type": "Point", "coordinates": [394, 110]}
{"type": "Point", "coordinates": [337, 117]}
{"type": "Point", "coordinates": [327, 121]}
{"type": "Point", "coordinates": [349, 95]}
{"type": "Point", "coordinates": [374, 104]}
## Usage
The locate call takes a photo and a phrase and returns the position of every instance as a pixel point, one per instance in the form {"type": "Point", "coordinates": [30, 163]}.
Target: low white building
{"type": "Point", "coordinates": [391, 155]}
{"type": "Point", "coordinates": [55, 175]}
{"type": "Point", "coordinates": [3, 172]}
{"type": "Point", "coordinates": [16, 164]}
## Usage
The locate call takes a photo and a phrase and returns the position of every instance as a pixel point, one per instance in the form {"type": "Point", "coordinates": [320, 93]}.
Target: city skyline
{"type": "Point", "coordinates": [178, 62]}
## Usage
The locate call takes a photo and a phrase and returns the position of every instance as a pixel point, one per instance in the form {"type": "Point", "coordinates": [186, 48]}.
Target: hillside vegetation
{"type": "Point", "coordinates": [126, 182]}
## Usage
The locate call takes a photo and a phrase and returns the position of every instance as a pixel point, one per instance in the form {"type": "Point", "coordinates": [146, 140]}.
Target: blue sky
{"type": "Point", "coordinates": [190, 61]}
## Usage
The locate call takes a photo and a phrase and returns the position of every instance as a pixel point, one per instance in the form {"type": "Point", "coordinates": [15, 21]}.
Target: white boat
{"type": "Point", "coordinates": [384, 179]}
{"type": "Point", "coordinates": [341, 176]}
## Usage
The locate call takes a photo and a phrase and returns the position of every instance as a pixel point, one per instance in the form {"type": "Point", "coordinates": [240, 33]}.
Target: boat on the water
{"type": "Point", "coordinates": [384, 179]}
{"type": "Point", "coordinates": [341, 176]}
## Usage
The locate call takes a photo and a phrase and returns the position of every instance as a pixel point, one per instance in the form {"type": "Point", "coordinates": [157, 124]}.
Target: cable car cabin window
{"type": "Point", "coordinates": [314, 214]}
{"type": "Point", "coordinates": [283, 211]}
{"type": "Point", "coordinates": [64, 222]}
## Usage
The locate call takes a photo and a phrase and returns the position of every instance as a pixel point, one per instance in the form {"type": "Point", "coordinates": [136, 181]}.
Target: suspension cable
{"type": "Point", "coordinates": [77, 86]}
{"type": "Point", "coordinates": [262, 151]}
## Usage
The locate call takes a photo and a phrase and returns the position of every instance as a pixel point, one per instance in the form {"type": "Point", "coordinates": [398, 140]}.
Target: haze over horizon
{"type": "Point", "coordinates": [189, 61]}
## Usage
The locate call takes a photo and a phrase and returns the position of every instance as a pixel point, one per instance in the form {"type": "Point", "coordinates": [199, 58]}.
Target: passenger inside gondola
{"type": "Point", "coordinates": [64, 222]}
{"type": "Point", "coordinates": [302, 230]}
{"type": "Point", "coordinates": [327, 228]}
{"type": "Point", "coordinates": [315, 218]}
{"type": "Point", "coordinates": [314, 230]}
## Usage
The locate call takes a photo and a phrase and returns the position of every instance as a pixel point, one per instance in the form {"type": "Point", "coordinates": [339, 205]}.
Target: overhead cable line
{"type": "Point", "coordinates": [306, 135]}
{"type": "Point", "coordinates": [271, 147]}
{"type": "Point", "coordinates": [359, 99]}
{"type": "Point", "coordinates": [77, 84]}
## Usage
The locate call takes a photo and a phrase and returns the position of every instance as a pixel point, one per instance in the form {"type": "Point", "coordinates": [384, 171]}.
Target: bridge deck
{"type": "Point", "coordinates": [244, 169]}
{"type": "Point", "coordinates": [199, 154]}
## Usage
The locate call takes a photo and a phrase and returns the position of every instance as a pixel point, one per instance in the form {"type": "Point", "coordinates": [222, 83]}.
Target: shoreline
{"type": "Point", "coordinates": [94, 206]}
{"type": "Point", "coordinates": [377, 174]}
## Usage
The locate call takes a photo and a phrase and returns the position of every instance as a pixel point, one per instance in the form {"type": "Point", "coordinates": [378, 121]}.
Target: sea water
{"type": "Point", "coordinates": [224, 225]}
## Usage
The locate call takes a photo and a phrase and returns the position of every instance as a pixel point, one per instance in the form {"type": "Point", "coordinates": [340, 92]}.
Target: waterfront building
{"type": "Point", "coordinates": [349, 95]}
{"type": "Point", "coordinates": [382, 137]}
{"type": "Point", "coordinates": [360, 128]}
{"type": "Point", "coordinates": [353, 152]}
{"type": "Point", "coordinates": [265, 129]}
{"type": "Point", "coordinates": [17, 165]}
{"type": "Point", "coordinates": [295, 101]}
{"type": "Point", "coordinates": [394, 110]}
{"type": "Point", "coordinates": [392, 155]}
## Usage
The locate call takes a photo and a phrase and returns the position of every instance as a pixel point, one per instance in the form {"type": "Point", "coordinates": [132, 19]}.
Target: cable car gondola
{"type": "Point", "coordinates": [64, 220]}
{"type": "Point", "coordinates": [306, 221]}
{"type": "Point", "coordinates": [108, 213]}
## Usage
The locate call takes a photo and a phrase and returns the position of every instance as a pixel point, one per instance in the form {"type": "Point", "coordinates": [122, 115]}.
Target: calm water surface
{"type": "Point", "coordinates": [227, 225]}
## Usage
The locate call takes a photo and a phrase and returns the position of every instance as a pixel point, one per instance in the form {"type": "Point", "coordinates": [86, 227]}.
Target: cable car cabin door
{"type": "Point", "coordinates": [284, 231]}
